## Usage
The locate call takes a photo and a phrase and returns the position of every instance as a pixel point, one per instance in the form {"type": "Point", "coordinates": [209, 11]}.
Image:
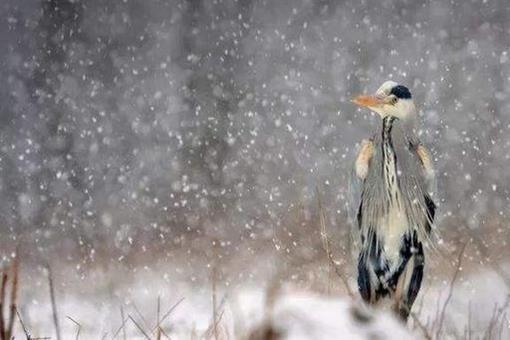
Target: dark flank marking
{"type": "Point", "coordinates": [376, 280]}
{"type": "Point", "coordinates": [417, 276]}
{"type": "Point", "coordinates": [411, 292]}
{"type": "Point", "coordinates": [431, 212]}
{"type": "Point", "coordinates": [372, 270]}
{"type": "Point", "coordinates": [360, 213]}
{"type": "Point", "coordinates": [381, 292]}
{"type": "Point", "coordinates": [380, 267]}
{"type": "Point", "coordinates": [405, 256]}
{"type": "Point", "coordinates": [400, 91]}
{"type": "Point", "coordinates": [364, 279]}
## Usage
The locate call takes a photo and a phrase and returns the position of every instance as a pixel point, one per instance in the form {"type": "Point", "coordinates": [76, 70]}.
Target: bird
{"type": "Point", "coordinates": [392, 190]}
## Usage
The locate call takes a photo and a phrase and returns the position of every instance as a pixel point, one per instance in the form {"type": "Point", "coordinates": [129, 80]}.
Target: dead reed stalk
{"type": "Point", "coordinates": [139, 327]}
{"type": "Point", "coordinates": [158, 332]}
{"type": "Point", "coordinates": [123, 323]}
{"type": "Point", "coordinates": [168, 313]}
{"type": "Point", "coordinates": [214, 297]}
{"type": "Point", "coordinates": [122, 326]}
{"type": "Point", "coordinates": [2, 302]}
{"type": "Point", "coordinates": [326, 245]}
{"type": "Point", "coordinates": [214, 282]}
{"type": "Point", "coordinates": [421, 326]}
{"type": "Point", "coordinates": [25, 330]}
{"type": "Point", "coordinates": [140, 315]}
{"type": "Point", "coordinates": [450, 290]}
{"type": "Point", "coordinates": [77, 324]}
{"type": "Point", "coordinates": [53, 302]}
{"type": "Point", "coordinates": [496, 316]}
{"type": "Point", "coordinates": [7, 321]}
{"type": "Point", "coordinates": [14, 295]}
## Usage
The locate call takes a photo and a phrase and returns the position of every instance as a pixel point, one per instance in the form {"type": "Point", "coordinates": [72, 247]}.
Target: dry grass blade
{"type": "Point", "coordinates": [53, 302]}
{"type": "Point", "coordinates": [158, 331]}
{"type": "Point", "coordinates": [140, 315]}
{"type": "Point", "coordinates": [469, 330]}
{"type": "Point", "coordinates": [2, 302]}
{"type": "Point", "coordinates": [496, 315]}
{"type": "Point", "coordinates": [214, 311]}
{"type": "Point", "coordinates": [450, 290]}
{"type": "Point", "coordinates": [121, 328]}
{"type": "Point", "coordinates": [123, 322]}
{"type": "Point", "coordinates": [213, 327]}
{"type": "Point", "coordinates": [492, 322]}
{"type": "Point", "coordinates": [14, 295]}
{"type": "Point", "coordinates": [168, 313]}
{"type": "Point", "coordinates": [25, 330]}
{"type": "Point", "coordinates": [327, 245]}
{"type": "Point", "coordinates": [139, 327]}
{"type": "Point", "coordinates": [421, 326]}
{"type": "Point", "coordinates": [438, 308]}
{"type": "Point", "coordinates": [163, 332]}
{"type": "Point", "coordinates": [77, 324]}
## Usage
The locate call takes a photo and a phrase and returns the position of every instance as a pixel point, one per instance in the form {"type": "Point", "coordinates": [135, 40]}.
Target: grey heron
{"type": "Point", "coordinates": [392, 188]}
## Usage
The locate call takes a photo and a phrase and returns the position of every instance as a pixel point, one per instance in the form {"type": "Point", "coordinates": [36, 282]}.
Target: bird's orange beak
{"type": "Point", "coordinates": [368, 101]}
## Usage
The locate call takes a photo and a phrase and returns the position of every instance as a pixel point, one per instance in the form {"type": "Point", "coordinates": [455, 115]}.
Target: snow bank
{"type": "Point", "coordinates": [306, 316]}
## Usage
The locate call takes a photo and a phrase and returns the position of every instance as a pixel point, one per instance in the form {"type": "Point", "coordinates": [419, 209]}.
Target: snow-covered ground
{"type": "Point", "coordinates": [301, 316]}
{"type": "Point", "coordinates": [255, 306]}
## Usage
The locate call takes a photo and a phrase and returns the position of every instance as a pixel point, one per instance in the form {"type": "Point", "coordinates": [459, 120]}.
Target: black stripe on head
{"type": "Point", "coordinates": [400, 91]}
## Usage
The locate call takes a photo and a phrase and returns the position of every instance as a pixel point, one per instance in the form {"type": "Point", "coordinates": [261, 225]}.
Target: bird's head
{"type": "Point", "coordinates": [391, 99]}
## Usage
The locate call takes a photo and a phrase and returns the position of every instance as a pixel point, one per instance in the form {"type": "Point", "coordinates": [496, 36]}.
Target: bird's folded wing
{"type": "Point", "coordinates": [358, 174]}
{"type": "Point", "coordinates": [428, 168]}
{"type": "Point", "coordinates": [362, 161]}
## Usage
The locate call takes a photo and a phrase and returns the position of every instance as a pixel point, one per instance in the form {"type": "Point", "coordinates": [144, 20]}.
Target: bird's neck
{"type": "Point", "coordinates": [389, 160]}
{"type": "Point", "coordinates": [387, 126]}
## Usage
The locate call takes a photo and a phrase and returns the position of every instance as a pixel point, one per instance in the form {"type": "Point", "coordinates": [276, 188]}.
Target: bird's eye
{"type": "Point", "coordinates": [393, 100]}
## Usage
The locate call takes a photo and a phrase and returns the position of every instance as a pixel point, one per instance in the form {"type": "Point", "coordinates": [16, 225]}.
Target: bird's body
{"type": "Point", "coordinates": [394, 210]}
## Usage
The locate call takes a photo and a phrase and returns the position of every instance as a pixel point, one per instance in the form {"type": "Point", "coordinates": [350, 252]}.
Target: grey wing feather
{"type": "Point", "coordinates": [428, 179]}
{"type": "Point", "coordinates": [428, 185]}
{"type": "Point", "coordinates": [355, 191]}
{"type": "Point", "coordinates": [354, 202]}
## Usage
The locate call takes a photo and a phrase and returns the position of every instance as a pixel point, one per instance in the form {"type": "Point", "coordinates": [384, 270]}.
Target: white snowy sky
{"type": "Point", "coordinates": [139, 118]}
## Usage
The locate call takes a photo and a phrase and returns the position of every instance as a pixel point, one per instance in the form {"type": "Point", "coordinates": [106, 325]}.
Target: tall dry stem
{"type": "Point", "coordinates": [53, 302]}
{"type": "Point", "coordinates": [450, 290]}
{"type": "Point", "coordinates": [326, 245]}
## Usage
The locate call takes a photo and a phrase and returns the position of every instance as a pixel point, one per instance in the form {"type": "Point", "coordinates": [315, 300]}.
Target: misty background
{"type": "Point", "coordinates": [137, 124]}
